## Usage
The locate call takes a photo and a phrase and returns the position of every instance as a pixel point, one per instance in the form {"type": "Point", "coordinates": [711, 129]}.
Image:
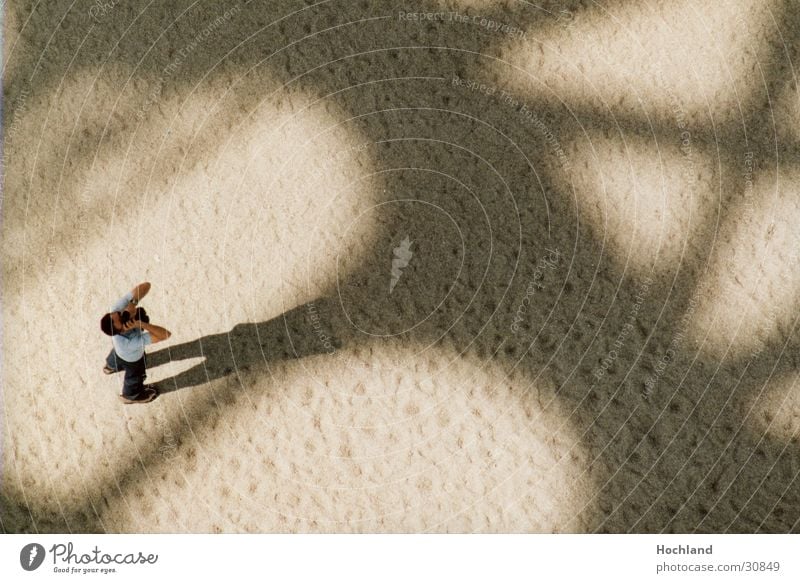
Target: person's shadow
{"type": "Point", "coordinates": [302, 331]}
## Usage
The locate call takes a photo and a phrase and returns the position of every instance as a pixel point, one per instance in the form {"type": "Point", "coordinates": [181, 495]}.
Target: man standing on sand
{"type": "Point", "coordinates": [130, 331]}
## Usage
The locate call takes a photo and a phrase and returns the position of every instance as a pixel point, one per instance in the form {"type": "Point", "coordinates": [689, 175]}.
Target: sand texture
{"type": "Point", "coordinates": [494, 267]}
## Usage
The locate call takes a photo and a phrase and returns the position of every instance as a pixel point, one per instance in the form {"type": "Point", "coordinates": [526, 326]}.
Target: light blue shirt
{"type": "Point", "coordinates": [130, 345]}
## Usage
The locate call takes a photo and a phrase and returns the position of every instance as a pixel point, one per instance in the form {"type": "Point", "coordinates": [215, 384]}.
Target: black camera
{"type": "Point", "coordinates": [140, 315]}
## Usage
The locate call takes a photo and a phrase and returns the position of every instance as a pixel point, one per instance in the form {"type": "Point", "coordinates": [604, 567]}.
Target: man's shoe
{"type": "Point", "coordinates": [108, 370]}
{"type": "Point", "coordinates": [148, 393]}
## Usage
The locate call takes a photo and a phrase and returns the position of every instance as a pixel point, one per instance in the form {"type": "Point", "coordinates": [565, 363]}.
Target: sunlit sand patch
{"type": "Point", "coordinates": [189, 161]}
{"type": "Point", "coordinates": [749, 295]}
{"type": "Point", "coordinates": [321, 447]}
{"type": "Point", "coordinates": [652, 52]}
{"type": "Point", "coordinates": [776, 412]}
{"type": "Point", "coordinates": [218, 223]}
{"type": "Point", "coordinates": [51, 145]}
{"type": "Point", "coordinates": [645, 198]}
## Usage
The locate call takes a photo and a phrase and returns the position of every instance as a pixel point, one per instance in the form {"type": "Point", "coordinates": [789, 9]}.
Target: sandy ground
{"type": "Point", "coordinates": [492, 268]}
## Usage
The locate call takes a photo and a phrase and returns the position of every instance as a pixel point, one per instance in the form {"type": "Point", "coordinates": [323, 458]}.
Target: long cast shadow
{"type": "Point", "coordinates": [247, 347]}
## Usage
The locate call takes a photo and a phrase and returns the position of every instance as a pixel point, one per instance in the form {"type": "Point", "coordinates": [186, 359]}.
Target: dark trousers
{"type": "Point", "coordinates": [135, 373]}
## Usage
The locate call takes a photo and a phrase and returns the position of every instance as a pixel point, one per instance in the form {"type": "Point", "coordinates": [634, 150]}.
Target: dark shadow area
{"type": "Point", "coordinates": [481, 194]}
{"type": "Point", "coordinates": [247, 347]}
